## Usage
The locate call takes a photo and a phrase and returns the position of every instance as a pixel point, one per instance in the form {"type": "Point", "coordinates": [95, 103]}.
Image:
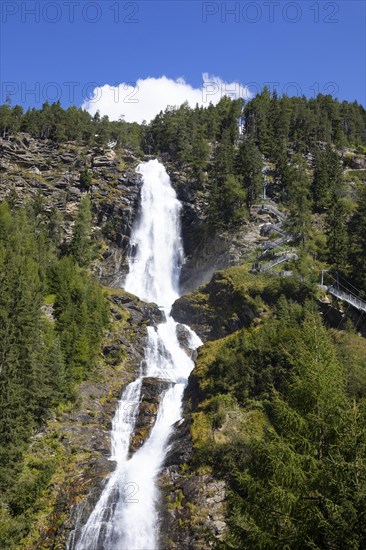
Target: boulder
{"type": "Point", "coordinates": [152, 391]}
{"type": "Point", "coordinates": [184, 338]}
{"type": "Point", "coordinates": [357, 163]}
{"type": "Point", "coordinates": [214, 310]}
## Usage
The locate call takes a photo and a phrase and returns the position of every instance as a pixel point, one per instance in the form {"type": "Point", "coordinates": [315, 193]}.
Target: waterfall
{"type": "Point", "coordinates": [154, 269]}
{"type": "Point", "coordinates": [126, 516]}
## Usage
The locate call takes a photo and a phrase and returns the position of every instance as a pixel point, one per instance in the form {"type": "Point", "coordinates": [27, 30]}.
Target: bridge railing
{"type": "Point", "coordinates": [274, 244]}
{"type": "Point", "coordinates": [277, 261]}
{"type": "Point", "coordinates": [270, 208]}
{"type": "Point", "coordinates": [347, 297]}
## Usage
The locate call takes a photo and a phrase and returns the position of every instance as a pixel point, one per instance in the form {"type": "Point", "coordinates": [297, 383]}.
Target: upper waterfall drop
{"type": "Point", "coordinates": [154, 268]}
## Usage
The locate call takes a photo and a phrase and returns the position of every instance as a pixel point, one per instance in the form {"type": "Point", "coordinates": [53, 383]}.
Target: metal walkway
{"type": "Point", "coordinates": [349, 298]}
{"type": "Point", "coordinates": [342, 291]}
{"type": "Point", "coordinates": [335, 287]}
{"type": "Point", "coordinates": [258, 267]}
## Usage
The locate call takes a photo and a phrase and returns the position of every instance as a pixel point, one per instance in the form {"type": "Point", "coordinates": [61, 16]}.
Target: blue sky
{"type": "Point", "coordinates": [303, 47]}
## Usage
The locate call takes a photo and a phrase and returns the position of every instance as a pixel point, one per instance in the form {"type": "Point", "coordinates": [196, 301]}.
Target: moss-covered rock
{"type": "Point", "coordinates": [152, 392]}
{"type": "Point", "coordinates": [228, 302]}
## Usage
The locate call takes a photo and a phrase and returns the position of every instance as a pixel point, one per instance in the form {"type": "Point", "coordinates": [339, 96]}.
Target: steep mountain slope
{"type": "Point", "coordinates": [248, 440]}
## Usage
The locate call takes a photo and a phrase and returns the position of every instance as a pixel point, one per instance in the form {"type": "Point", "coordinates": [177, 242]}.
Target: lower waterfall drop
{"type": "Point", "coordinates": [126, 515]}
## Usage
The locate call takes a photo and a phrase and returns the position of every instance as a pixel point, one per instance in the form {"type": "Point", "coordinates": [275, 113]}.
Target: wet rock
{"type": "Point", "coordinates": [180, 448]}
{"type": "Point", "coordinates": [184, 338]}
{"type": "Point", "coordinates": [140, 312]}
{"type": "Point", "coordinates": [152, 391]}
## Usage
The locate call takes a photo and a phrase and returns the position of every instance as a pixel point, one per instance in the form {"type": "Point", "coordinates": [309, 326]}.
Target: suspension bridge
{"type": "Point", "coordinates": [342, 291]}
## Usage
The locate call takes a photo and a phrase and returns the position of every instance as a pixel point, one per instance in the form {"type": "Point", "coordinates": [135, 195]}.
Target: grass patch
{"type": "Point", "coordinates": [49, 300]}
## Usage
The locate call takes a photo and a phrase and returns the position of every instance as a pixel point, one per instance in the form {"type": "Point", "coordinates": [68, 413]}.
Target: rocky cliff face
{"type": "Point", "coordinates": [152, 392]}
{"type": "Point", "coordinates": [193, 508]}
{"type": "Point", "coordinates": [216, 309]}
{"type": "Point", "coordinates": [49, 173]}
{"type": "Point", "coordinates": [207, 250]}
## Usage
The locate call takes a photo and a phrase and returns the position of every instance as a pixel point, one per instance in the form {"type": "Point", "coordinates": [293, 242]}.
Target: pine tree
{"type": "Point", "coordinates": [22, 380]}
{"type": "Point", "coordinates": [232, 201]}
{"type": "Point", "coordinates": [54, 364]}
{"type": "Point", "coordinates": [357, 232]}
{"type": "Point", "coordinates": [199, 154]}
{"type": "Point", "coordinates": [327, 177]}
{"type": "Point", "coordinates": [282, 493]}
{"type": "Point", "coordinates": [222, 169]}
{"type": "Point", "coordinates": [248, 167]}
{"type": "Point", "coordinates": [40, 360]}
{"type": "Point", "coordinates": [299, 216]}
{"type": "Point", "coordinates": [320, 184]}
{"type": "Point", "coordinates": [81, 247]}
{"type": "Point", "coordinates": [256, 114]}
{"type": "Point", "coordinates": [283, 173]}
{"type": "Point", "coordinates": [344, 482]}
{"type": "Point", "coordinates": [337, 236]}
{"type": "Point", "coordinates": [85, 178]}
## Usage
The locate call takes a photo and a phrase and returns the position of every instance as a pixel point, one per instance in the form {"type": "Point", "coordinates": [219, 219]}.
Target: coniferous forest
{"type": "Point", "coordinates": [42, 360]}
{"type": "Point", "coordinates": [276, 404]}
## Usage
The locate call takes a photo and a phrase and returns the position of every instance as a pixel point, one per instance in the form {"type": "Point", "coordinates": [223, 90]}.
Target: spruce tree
{"type": "Point", "coordinates": [81, 246]}
{"type": "Point", "coordinates": [199, 154]}
{"type": "Point", "coordinates": [283, 487]}
{"type": "Point", "coordinates": [357, 232]}
{"type": "Point", "coordinates": [222, 169]}
{"type": "Point", "coordinates": [298, 221]}
{"type": "Point", "coordinates": [337, 236]}
{"type": "Point", "coordinates": [248, 167]}
{"type": "Point", "coordinates": [327, 177]}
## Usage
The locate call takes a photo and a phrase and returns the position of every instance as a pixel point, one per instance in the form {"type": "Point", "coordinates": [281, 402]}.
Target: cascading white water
{"type": "Point", "coordinates": [125, 517]}
{"type": "Point", "coordinates": [154, 272]}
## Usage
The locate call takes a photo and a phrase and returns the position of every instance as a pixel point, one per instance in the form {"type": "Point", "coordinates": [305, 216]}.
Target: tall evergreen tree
{"type": "Point", "coordinates": [248, 167]}
{"type": "Point", "coordinates": [285, 502]}
{"type": "Point", "coordinates": [81, 246]}
{"type": "Point", "coordinates": [222, 169]}
{"type": "Point", "coordinates": [327, 177]}
{"type": "Point", "coordinates": [337, 236]}
{"type": "Point", "coordinates": [22, 375]}
{"type": "Point", "coordinates": [357, 232]}
{"type": "Point", "coordinates": [200, 154]}
{"type": "Point", "coordinates": [299, 204]}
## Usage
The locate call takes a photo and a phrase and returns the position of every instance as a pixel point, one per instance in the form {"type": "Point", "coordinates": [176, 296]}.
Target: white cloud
{"type": "Point", "coordinates": [149, 96]}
